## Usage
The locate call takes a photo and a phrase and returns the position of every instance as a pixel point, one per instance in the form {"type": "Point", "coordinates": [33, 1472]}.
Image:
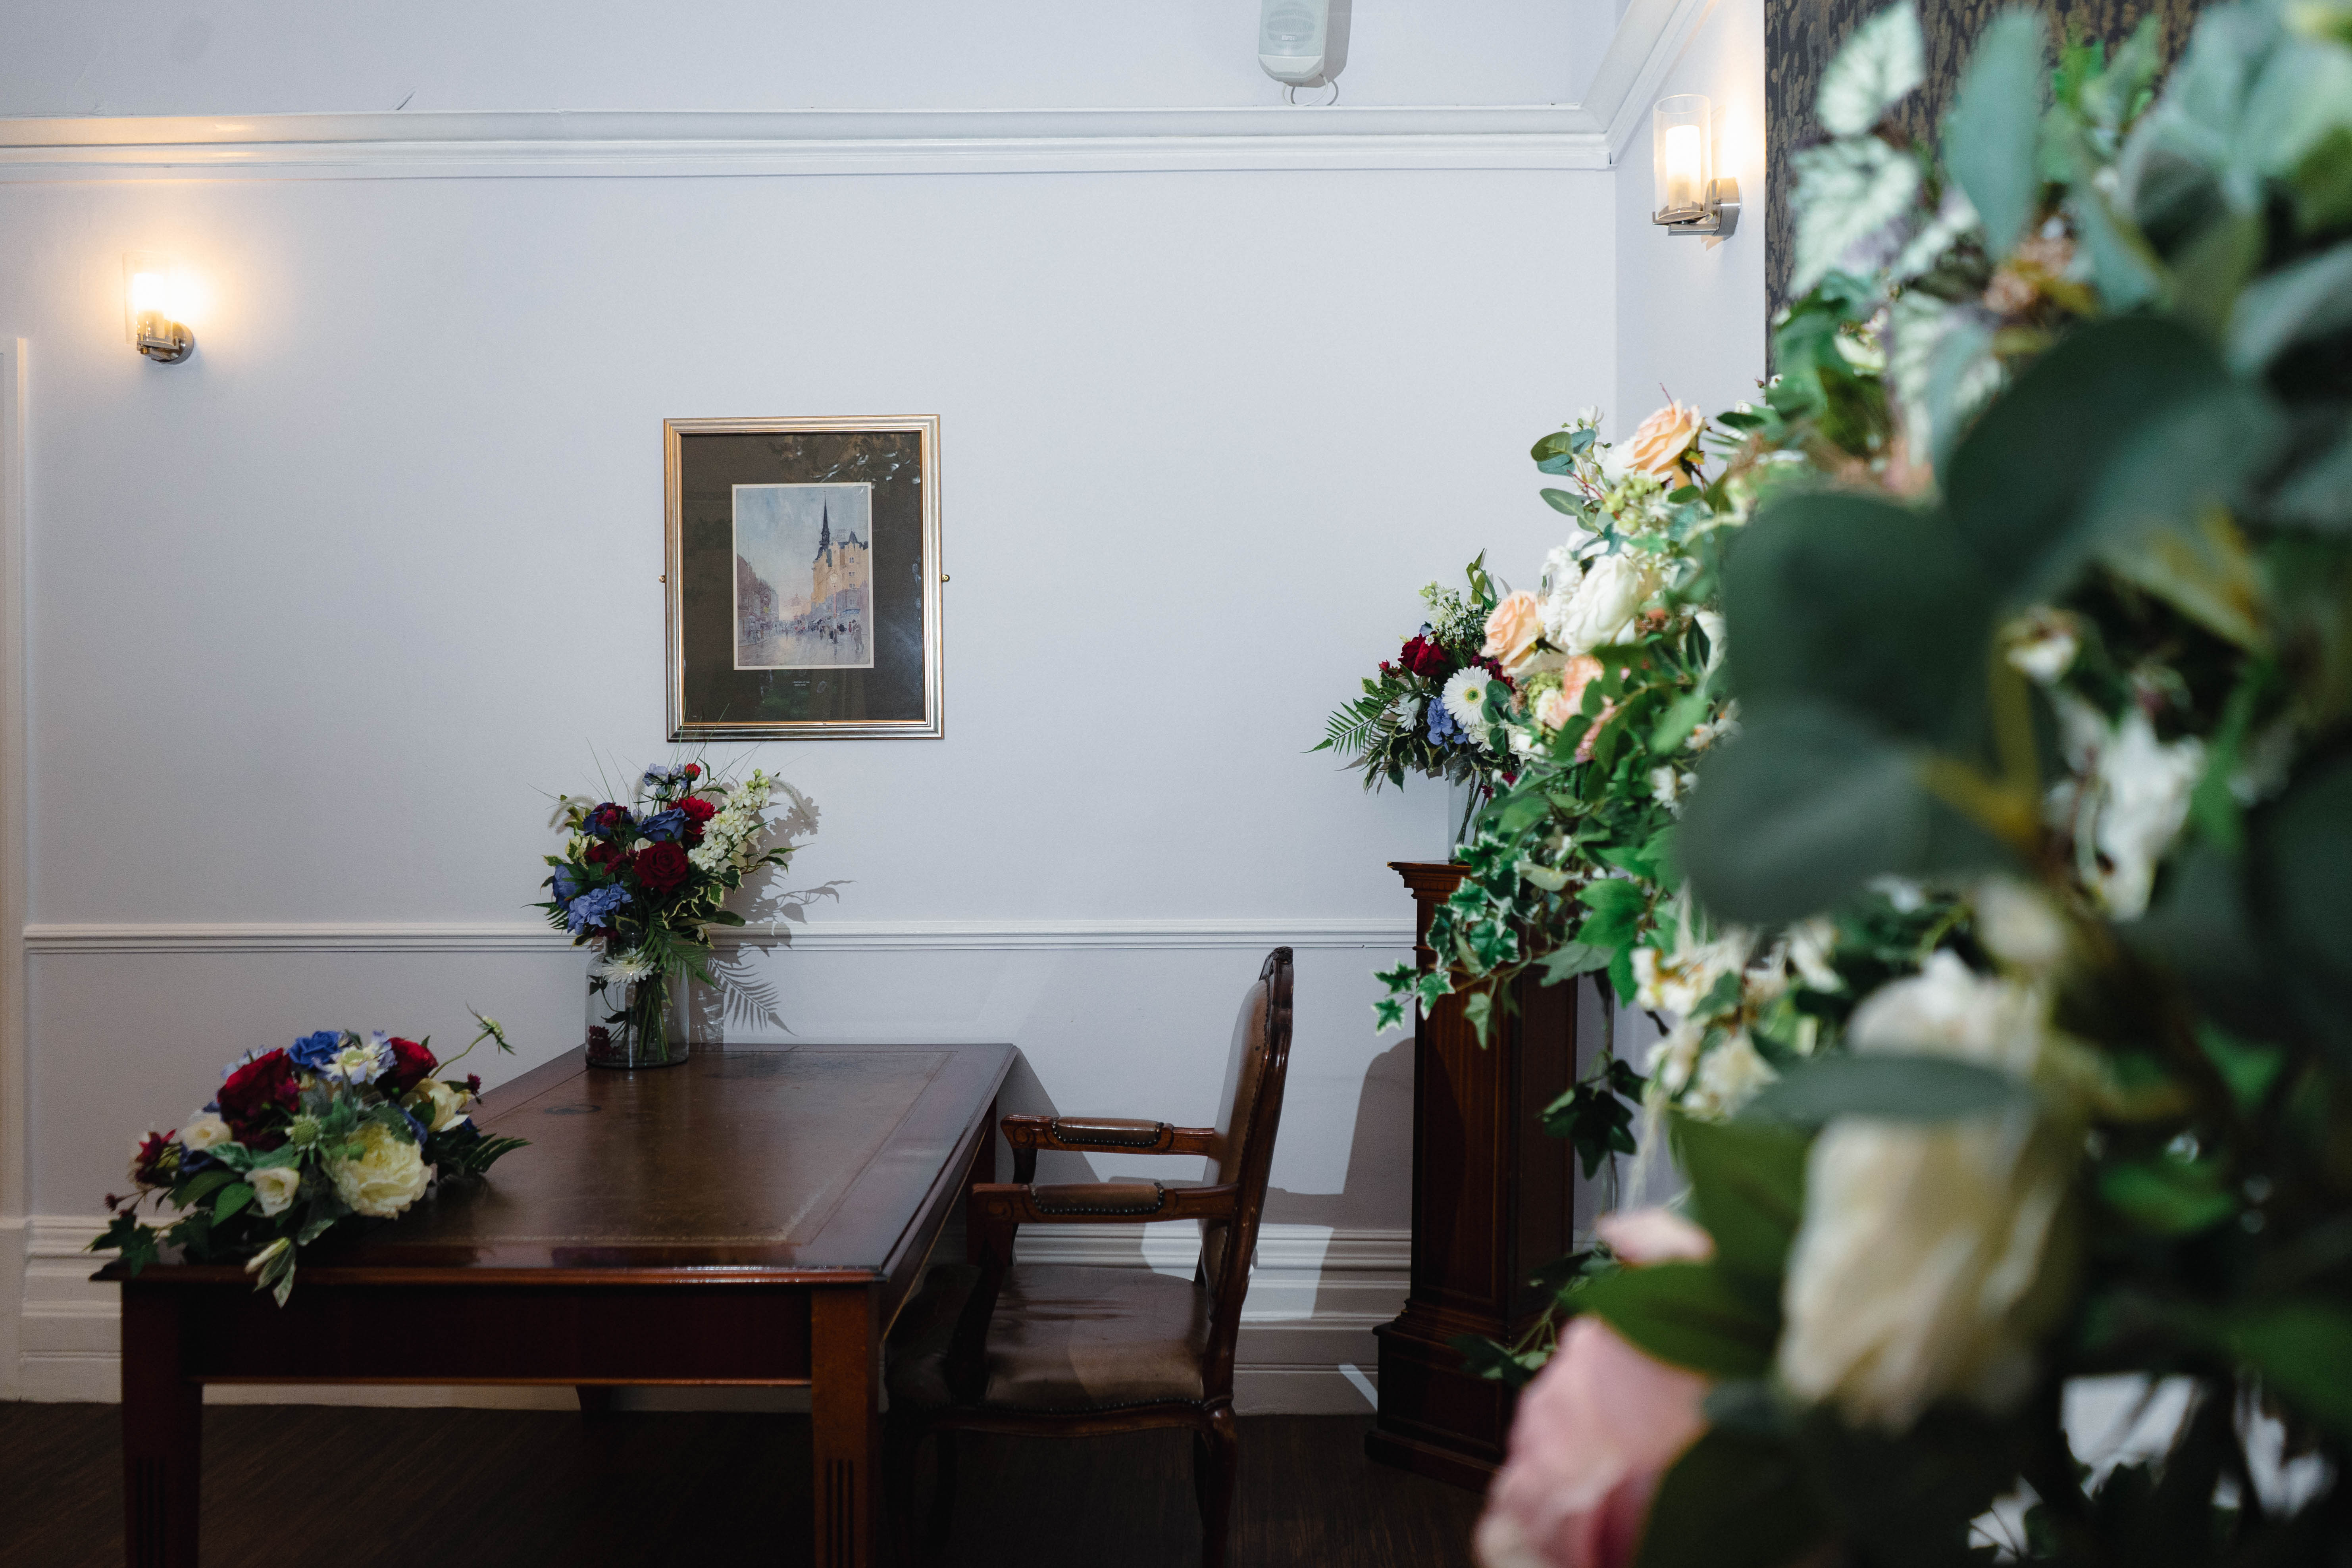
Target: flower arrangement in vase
{"type": "Point", "coordinates": [331, 1131]}
{"type": "Point", "coordinates": [644, 882]}
{"type": "Point", "coordinates": [1425, 710]}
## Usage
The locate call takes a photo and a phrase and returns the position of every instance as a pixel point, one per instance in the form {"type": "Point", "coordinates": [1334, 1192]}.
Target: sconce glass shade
{"type": "Point", "coordinates": [1682, 154]}
{"type": "Point", "coordinates": [151, 306]}
{"type": "Point", "coordinates": [1292, 37]}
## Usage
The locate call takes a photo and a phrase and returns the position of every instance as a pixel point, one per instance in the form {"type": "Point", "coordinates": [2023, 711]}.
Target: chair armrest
{"type": "Point", "coordinates": [1099, 1135]}
{"type": "Point", "coordinates": [997, 1209]}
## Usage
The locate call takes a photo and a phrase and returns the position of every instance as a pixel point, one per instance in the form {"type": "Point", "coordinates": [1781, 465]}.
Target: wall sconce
{"type": "Point", "coordinates": [152, 304]}
{"type": "Point", "coordinates": [1293, 37]}
{"type": "Point", "coordinates": [1691, 200]}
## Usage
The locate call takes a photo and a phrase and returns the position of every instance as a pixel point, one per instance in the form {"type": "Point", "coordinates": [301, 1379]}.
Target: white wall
{"type": "Point", "coordinates": [1690, 317]}
{"type": "Point", "coordinates": [262, 57]}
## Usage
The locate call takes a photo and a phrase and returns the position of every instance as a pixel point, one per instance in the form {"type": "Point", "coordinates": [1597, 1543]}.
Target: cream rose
{"type": "Point", "coordinates": [275, 1188]}
{"type": "Point", "coordinates": [205, 1130]}
{"type": "Point", "coordinates": [1660, 441]}
{"type": "Point", "coordinates": [1932, 1253]}
{"type": "Point", "coordinates": [1512, 629]}
{"type": "Point", "coordinates": [1607, 604]}
{"type": "Point", "coordinates": [387, 1177]}
{"type": "Point", "coordinates": [436, 1104]}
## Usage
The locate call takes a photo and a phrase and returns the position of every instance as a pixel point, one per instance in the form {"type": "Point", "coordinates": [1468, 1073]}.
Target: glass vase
{"type": "Point", "coordinates": [637, 1023]}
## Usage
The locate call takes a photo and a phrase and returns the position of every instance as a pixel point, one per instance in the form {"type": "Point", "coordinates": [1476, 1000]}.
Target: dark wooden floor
{"type": "Point", "coordinates": [296, 1486]}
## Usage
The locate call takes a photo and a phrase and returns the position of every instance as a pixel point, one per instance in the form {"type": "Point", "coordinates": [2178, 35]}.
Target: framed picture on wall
{"type": "Point", "coordinates": [803, 578]}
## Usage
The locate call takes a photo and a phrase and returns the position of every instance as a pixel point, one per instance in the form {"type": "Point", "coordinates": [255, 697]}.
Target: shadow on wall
{"type": "Point", "coordinates": [744, 998]}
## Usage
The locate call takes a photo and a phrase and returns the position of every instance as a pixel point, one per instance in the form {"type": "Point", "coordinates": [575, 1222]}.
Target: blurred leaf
{"type": "Point", "coordinates": [1885, 59]}
{"type": "Point", "coordinates": [2306, 299]}
{"type": "Point", "coordinates": [1804, 808]}
{"type": "Point", "coordinates": [2203, 569]}
{"type": "Point", "coordinates": [1847, 192]}
{"type": "Point", "coordinates": [1492, 1361]}
{"type": "Point", "coordinates": [2305, 867]}
{"type": "Point", "coordinates": [2127, 272]}
{"type": "Point", "coordinates": [2198, 929]}
{"type": "Point", "coordinates": [2323, 184]}
{"type": "Point", "coordinates": [1896, 1087]}
{"type": "Point", "coordinates": [2208, 273]}
{"type": "Point", "coordinates": [2319, 494]}
{"type": "Point", "coordinates": [2249, 1070]}
{"type": "Point", "coordinates": [1571, 959]}
{"type": "Point", "coordinates": [1990, 134]}
{"type": "Point", "coordinates": [1684, 1314]}
{"type": "Point", "coordinates": [2302, 1350]}
{"type": "Point", "coordinates": [1732, 1500]}
{"type": "Point", "coordinates": [1851, 600]}
{"type": "Point", "coordinates": [2119, 427]}
{"type": "Point", "coordinates": [2169, 1197]}
{"type": "Point", "coordinates": [1747, 1189]}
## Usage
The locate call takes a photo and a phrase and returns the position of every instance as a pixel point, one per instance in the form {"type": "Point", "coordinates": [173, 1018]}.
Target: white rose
{"type": "Point", "coordinates": [205, 1130]}
{"type": "Point", "coordinates": [1606, 606]}
{"type": "Point", "coordinates": [275, 1187]}
{"type": "Point", "coordinates": [1932, 1253]}
{"type": "Point", "coordinates": [1729, 1076]}
{"type": "Point", "coordinates": [387, 1177]}
{"type": "Point", "coordinates": [2144, 787]}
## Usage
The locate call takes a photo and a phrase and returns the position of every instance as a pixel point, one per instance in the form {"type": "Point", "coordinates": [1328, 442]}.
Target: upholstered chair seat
{"type": "Point", "coordinates": [1062, 1338]}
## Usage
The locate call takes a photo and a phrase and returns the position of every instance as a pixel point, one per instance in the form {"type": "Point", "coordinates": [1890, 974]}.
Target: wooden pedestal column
{"type": "Point", "coordinates": [1493, 1200]}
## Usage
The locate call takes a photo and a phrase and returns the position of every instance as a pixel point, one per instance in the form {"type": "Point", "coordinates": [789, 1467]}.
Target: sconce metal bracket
{"type": "Point", "coordinates": [174, 345]}
{"type": "Point", "coordinates": [1715, 220]}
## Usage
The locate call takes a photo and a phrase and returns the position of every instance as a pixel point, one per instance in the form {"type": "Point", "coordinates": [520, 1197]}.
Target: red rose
{"type": "Point", "coordinates": [602, 854]}
{"type": "Point", "coordinates": [693, 771]}
{"type": "Point", "coordinates": [698, 809]}
{"type": "Point", "coordinates": [410, 1064]}
{"type": "Point", "coordinates": [474, 1083]}
{"type": "Point", "coordinates": [659, 867]}
{"type": "Point", "coordinates": [1426, 659]}
{"type": "Point", "coordinates": [254, 1091]}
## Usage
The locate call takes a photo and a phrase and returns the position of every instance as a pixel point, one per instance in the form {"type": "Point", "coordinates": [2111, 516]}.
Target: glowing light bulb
{"type": "Point", "coordinates": [1684, 161]}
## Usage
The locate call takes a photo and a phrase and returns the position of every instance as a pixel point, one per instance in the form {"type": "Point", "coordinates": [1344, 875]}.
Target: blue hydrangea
{"type": "Point", "coordinates": [1443, 728]}
{"type": "Point", "coordinates": [665, 827]}
{"type": "Point", "coordinates": [313, 1052]}
{"type": "Point", "coordinates": [567, 884]}
{"type": "Point", "coordinates": [596, 909]}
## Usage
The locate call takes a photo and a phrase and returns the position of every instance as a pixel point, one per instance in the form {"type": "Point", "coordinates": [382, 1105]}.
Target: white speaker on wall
{"type": "Point", "coordinates": [1293, 39]}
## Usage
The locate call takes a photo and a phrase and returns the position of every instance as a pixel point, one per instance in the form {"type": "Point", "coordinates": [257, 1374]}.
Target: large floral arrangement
{"type": "Point", "coordinates": [330, 1131]}
{"type": "Point", "coordinates": [1425, 711]}
{"type": "Point", "coordinates": [2045, 687]}
{"type": "Point", "coordinates": [647, 881]}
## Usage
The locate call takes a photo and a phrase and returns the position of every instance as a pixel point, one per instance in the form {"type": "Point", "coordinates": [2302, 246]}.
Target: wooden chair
{"type": "Point", "coordinates": [1054, 1350]}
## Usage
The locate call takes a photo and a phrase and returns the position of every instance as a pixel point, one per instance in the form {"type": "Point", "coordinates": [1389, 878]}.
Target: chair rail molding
{"type": "Point", "coordinates": [1587, 134]}
{"type": "Point", "coordinates": [916, 936]}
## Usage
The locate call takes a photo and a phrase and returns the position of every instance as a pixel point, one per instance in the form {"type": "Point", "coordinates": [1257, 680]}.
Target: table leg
{"type": "Point", "coordinates": [163, 1436]}
{"type": "Point", "coordinates": [983, 1170]}
{"type": "Point", "coordinates": [846, 1366]}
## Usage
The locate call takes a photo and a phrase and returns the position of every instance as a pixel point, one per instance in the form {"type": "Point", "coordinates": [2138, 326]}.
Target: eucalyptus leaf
{"type": "Point", "coordinates": [1893, 1085]}
{"type": "Point", "coordinates": [1684, 1314]}
{"type": "Point", "coordinates": [1989, 136]}
{"type": "Point", "coordinates": [1747, 1189]}
{"type": "Point", "coordinates": [2127, 272]}
{"type": "Point", "coordinates": [1880, 65]}
{"type": "Point", "coordinates": [2304, 300]}
{"type": "Point", "coordinates": [1853, 599]}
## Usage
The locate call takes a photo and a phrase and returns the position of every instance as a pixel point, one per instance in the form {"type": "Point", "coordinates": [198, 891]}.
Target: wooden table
{"type": "Point", "coordinates": [756, 1215]}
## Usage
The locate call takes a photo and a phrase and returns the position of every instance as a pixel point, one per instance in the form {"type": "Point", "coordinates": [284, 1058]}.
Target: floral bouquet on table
{"type": "Point", "coordinates": [1425, 711]}
{"type": "Point", "coordinates": [298, 1141]}
{"type": "Point", "coordinates": [645, 882]}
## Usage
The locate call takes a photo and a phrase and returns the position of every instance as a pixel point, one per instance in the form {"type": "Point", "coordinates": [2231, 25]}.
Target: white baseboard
{"type": "Point", "coordinates": [1314, 1295]}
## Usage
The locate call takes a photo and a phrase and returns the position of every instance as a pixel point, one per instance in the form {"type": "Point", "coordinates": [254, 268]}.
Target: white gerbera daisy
{"type": "Point", "coordinates": [624, 968]}
{"type": "Point", "coordinates": [1465, 699]}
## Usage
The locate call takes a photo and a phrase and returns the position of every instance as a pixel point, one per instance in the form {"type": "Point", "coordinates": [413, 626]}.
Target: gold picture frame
{"type": "Point", "coordinates": [803, 579]}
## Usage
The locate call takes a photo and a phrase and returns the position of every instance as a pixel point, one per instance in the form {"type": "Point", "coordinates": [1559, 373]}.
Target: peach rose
{"type": "Point", "coordinates": [1513, 628]}
{"type": "Point", "coordinates": [1554, 709]}
{"type": "Point", "coordinates": [1659, 445]}
{"type": "Point", "coordinates": [1596, 1432]}
{"type": "Point", "coordinates": [1641, 1236]}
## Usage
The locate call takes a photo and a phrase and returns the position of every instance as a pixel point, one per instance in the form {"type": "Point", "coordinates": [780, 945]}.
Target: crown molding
{"type": "Point", "coordinates": [661, 143]}
{"type": "Point", "coordinates": [915, 936]}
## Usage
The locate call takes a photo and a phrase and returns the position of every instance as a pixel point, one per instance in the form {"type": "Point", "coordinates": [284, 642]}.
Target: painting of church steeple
{"type": "Point", "coordinates": [804, 594]}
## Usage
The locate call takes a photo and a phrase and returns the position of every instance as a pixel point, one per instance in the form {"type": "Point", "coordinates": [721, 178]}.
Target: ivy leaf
{"type": "Point", "coordinates": [1991, 133]}
{"type": "Point", "coordinates": [1885, 59]}
{"type": "Point", "coordinates": [1847, 192]}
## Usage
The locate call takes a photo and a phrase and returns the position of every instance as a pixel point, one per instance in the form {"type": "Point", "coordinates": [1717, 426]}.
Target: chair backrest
{"type": "Point", "coordinates": [1250, 1110]}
